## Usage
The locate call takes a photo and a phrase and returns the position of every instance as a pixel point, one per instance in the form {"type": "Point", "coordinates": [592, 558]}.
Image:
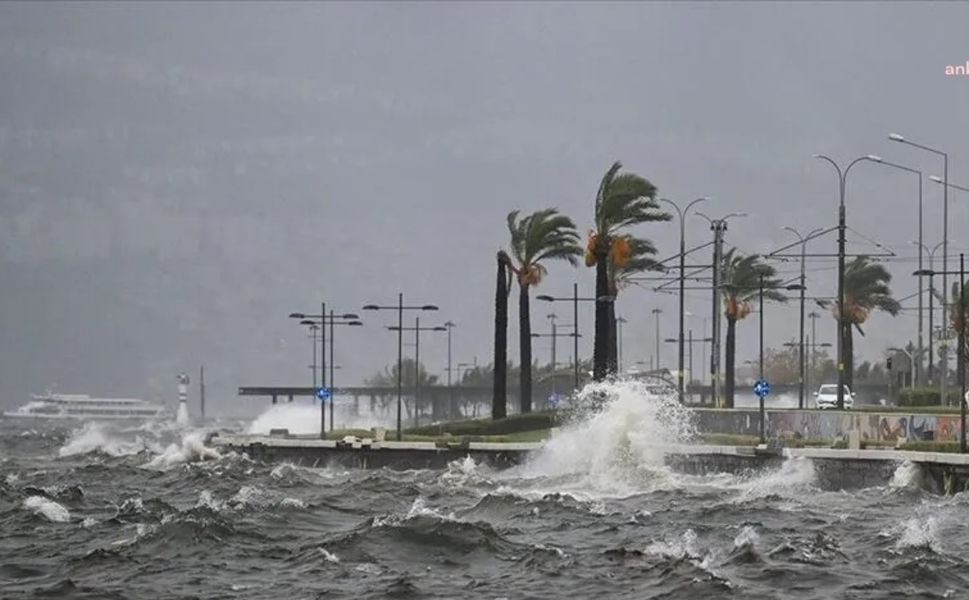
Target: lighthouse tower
{"type": "Point", "coordinates": [182, 416]}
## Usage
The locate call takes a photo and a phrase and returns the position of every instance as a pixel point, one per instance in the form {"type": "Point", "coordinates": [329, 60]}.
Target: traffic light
{"type": "Point", "coordinates": [888, 363]}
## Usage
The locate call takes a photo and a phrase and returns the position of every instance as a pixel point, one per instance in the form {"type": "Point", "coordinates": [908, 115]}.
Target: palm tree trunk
{"type": "Point", "coordinates": [600, 349]}
{"type": "Point", "coordinates": [499, 401]}
{"type": "Point", "coordinates": [613, 366]}
{"type": "Point", "coordinates": [730, 374]}
{"type": "Point", "coordinates": [525, 349]}
{"type": "Point", "coordinates": [849, 358]}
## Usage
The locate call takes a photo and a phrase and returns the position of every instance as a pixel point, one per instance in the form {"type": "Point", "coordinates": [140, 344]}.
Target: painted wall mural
{"type": "Point", "coordinates": [820, 425]}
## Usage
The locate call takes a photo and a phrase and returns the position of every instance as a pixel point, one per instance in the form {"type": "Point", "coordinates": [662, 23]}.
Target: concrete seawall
{"type": "Point", "coordinates": [941, 473]}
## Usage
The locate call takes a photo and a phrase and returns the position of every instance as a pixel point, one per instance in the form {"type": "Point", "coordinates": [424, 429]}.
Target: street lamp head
{"type": "Point", "coordinates": [794, 287]}
{"type": "Point", "coordinates": [393, 328]}
{"type": "Point", "coordinates": [874, 158]}
{"type": "Point", "coordinates": [371, 307]}
{"type": "Point", "coordinates": [349, 316]}
{"type": "Point", "coordinates": [307, 322]}
{"type": "Point", "coordinates": [825, 344]}
{"type": "Point", "coordinates": [355, 323]}
{"type": "Point", "coordinates": [669, 340]}
{"type": "Point", "coordinates": [429, 307]}
{"type": "Point", "coordinates": [439, 328]}
{"type": "Point", "coordinates": [297, 316]}
{"type": "Point", "coordinates": [896, 137]}
{"type": "Point", "coordinates": [450, 324]}
{"type": "Point", "coordinates": [544, 297]}
{"type": "Point", "coordinates": [936, 178]}
{"type": "Point", "coordinates": [922, 272]}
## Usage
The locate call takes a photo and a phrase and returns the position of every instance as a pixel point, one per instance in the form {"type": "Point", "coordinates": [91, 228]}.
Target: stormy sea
{"type": "Point", "coordinates": [98, 510]}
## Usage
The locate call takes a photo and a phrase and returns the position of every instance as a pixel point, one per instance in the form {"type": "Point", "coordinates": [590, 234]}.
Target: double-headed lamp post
{"type": "Point", "coordinates": [417, 329]}
{"type": "Point", "coordinates": [682, 215]}
{"type": "Point", "coordinates": [575, 321]}
{"type": "Point", "coordinates": [842, 177]}
{"type": "Point", "coordinates": [400, 308]}
{"type": "Point", "coordinates": [802, 240]}
{"type": "Point", "coordinates": [321, 320]}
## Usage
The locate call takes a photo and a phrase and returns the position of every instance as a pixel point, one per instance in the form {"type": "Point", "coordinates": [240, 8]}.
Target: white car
{"type": "Point", "coordinates": [827, 397]}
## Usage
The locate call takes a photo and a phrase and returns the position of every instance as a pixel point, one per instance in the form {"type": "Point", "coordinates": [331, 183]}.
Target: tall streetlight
{"type": "Point", "coordinates": [916, 368]}
{"type": "Point", "coordinates": [656, 313]}
{"type": "Point", "coordinates": [400, 308]}
{"type": "Point", "coordinates": [931, 253]}
{"type": "Point", "coordinates": [555, 335]}
{"type": "Point", "coordinates": [334, 321]}
{"type": "Point", "coordinates": [575, 320]}
{"type": "Point", "coordinates": [842, 177]}
{"type": "Point", "coordinates": [417, 329]}
{"type": "Point", "coordinates": [321, 321]}
{"type": "Point", "coordinates": [803, 240]}
{"type": "Point", "coordinates": [945, 215]}
{"type": "Point", "coordinates": [450, 392]}
{"type": "Point", "coordinates": [682, 214]}
{"type": "Point", "coordinates": [690, 341]}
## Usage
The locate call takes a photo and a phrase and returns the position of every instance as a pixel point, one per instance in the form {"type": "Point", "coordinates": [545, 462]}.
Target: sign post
{"type": "Point", "coordinates": [323, 395]}
{"type": "Point", "coordinates": [762, 389]}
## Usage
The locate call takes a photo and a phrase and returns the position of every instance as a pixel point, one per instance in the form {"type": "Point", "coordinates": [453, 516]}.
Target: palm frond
{"type": "Point", "coordinates": [541, 236]}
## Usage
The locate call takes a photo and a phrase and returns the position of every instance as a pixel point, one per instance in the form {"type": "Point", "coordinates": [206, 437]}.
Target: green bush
{"type": "Point", "coordinates": [929, 397]}
{"type": "Point", "coordinates": [514, 424]}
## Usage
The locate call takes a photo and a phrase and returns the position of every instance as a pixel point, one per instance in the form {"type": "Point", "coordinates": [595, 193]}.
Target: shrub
{"type": "Point", "coordinates": [514, 424]}
{"type": "Point", "coordinates": [928, 397]}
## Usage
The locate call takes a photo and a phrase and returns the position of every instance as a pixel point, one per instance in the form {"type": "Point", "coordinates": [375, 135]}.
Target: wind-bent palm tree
{"type": "Point", "coordinates": [541, 236]}
{"type": "Point", "coordinates": [740, 289]}
{"type": "Point", "coordinates": [499, 401]}
{"type": "Point", "coordinates": [623, 200]}
{"type": "Point", "coordinates": [641, 253]}
{"type": "Point", "coordinates": [866, 288]}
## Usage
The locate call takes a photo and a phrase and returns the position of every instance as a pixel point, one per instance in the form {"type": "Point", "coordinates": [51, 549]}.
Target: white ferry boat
{"type": "Point", "coordinates": [84, 407]}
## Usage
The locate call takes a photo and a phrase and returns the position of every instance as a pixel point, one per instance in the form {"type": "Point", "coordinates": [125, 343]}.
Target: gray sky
{"type": "Point", "coordinates": [175, 178]}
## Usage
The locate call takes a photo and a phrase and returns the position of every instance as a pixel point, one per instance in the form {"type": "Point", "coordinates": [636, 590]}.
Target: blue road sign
{"type": "Point", "coordinates": [761, 388]}
{"type": "Point", "coordinates": [553, 399]}
{"type": "Point", "coordinates": [323, 393]}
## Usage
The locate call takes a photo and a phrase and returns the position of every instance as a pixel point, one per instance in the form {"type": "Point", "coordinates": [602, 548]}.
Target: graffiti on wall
{"type": "Point", "coordinates": [819, 425]}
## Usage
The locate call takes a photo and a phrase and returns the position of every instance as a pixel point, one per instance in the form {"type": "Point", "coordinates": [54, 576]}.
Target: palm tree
{"type": "Point", "coordinates": [740, 288]}
{"type": "Point", "coordinates": [623, 200]}
{"type": "Point", "coordinates": [541, 236]}
{"type": "Point", "coordinates": [866, 288]}
{"type": "Point", "coordinates": [499, 401]}
{"type": "Point", "coordinates": [640, 258]}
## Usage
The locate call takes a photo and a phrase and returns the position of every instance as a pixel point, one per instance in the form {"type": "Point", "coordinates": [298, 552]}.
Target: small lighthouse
{"type": "Point", "coordinates": [182, 415]}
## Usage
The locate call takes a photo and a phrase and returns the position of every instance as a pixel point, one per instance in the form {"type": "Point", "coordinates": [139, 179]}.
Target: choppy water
{"type": "Point", "coordinates": [147, 512]}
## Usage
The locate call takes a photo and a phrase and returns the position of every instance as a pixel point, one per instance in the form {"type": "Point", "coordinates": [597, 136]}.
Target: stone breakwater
{"type": "Point", "coordinates": [819, 425]}
{"type": "Point", "coordinates": [942, 473]}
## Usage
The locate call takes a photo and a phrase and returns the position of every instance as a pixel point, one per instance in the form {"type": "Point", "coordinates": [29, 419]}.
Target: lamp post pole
{"type": "Point", "coordinates": [803, 239]}
{"type": "Point", "coordinates": [400, 308]}
{"type": "Point", "coordinates": [945, 225]}
{"type": "Point", "coordinates": [574, 299]}
{"type": "Point", "coordinates": [320, 321]}
{"type": "Point", "coordinates": [917, 369]}
{"type": "Point", "coordinates": [450, 390]}
{"type": "Point", "coordinates": [656, 313]}
{"type": "Point", "coordinates": [417, 329]}
{"type": "Point", "coordinates": [842, 177]}
{"type": "Point", "coordinates": [682, 214]}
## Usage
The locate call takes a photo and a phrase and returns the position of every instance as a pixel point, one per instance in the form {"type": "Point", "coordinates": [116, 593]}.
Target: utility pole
{"type": "Point", "coordinates": [656, 313]}
{"type": "Point", "coordinates": [718, 226]}
{"type": "Point", "coordinates": [202, 390]}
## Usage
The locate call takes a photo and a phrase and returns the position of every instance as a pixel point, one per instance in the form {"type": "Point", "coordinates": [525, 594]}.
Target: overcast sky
{"type": "Point", "coordinates": [175, 178]}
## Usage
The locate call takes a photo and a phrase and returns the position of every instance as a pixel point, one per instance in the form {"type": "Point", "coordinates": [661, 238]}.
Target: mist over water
{"type": "Point", "coordinates": [105, 510]}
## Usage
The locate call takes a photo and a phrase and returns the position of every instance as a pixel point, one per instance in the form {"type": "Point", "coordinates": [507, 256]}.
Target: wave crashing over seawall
{"type": "Point", "coordinates": [110, 511]}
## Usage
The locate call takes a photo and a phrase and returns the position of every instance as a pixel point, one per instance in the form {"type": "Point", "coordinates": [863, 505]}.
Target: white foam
{"type": "Point", "coordinates": [50, 510]}
{"type": "Point", "coordinates": [907, 476]}
{"type": "Point", "coordinates": [94, 436]}
{"type": "Point", "coordinates": [191, 449]}
{"type": "Point", "coordinates": [619, 448]}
